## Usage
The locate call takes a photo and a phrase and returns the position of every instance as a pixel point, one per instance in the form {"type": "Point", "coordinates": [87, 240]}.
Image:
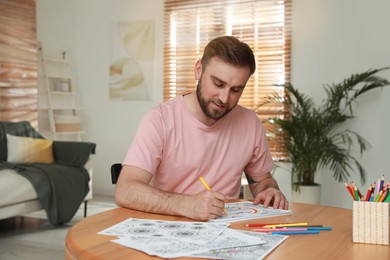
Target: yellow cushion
{"type": "Point", "coordinates": [29, 150]}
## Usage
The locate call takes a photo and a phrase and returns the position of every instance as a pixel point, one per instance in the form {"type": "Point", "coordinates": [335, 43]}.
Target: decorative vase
{"type": "Point", "coordinates": [307, 194]}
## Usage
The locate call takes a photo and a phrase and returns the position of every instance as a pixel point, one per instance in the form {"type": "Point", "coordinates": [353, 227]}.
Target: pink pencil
{"type": "Point", "coordinates": [277, 229]}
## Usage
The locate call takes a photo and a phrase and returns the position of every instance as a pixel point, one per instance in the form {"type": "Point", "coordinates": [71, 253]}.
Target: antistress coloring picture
{"type": "Point", "coordinates": [245, 210]}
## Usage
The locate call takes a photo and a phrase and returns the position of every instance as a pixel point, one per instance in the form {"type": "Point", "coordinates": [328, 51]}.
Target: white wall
{"type": "Point", "coordinates": [83, 28]}
{"type": "Point", "coordinates": [331, 40]}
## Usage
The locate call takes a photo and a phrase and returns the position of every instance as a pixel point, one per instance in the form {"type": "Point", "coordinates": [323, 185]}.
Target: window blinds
{"type": "Point", "coordinates": [265, 25]}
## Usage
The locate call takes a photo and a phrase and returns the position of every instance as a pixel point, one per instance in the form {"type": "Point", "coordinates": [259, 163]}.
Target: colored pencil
{"type": "Point", "coordinates": [320, 228]}
{"type": "Point", "coordinates": [306, 226]}
{"type": "Point", "coordinates": [368, 193]}
{"type": "Point", "coordinates": [381, 183]}
{"type": "Point", "coordinates": [309, 227]}
{"type": "Point", "coordinates": [379, 186]}
{"type": "Point", "coordinates": [279, 225]}
{"type": "Point", "coordinates": [378, 196]}
{"type": "Point", "coordinates": [287, 225]}
{"type": "Point", "coordinates": [349, 189]}
{"type": "Point", "coordinates": [261, 224]}
{"type": "Point", "coordinates": [291, 229]}
{"type": "Point", "coordinates": [387, 198]}
{"type": "Point", "coordinates": [278, 229]}
{"type": "Point", "coordinates": [356, 194]}
{"type": "Point", "coordinates": [204, 183]}
{"type": "Point", "coordinates": [382, 198]}
{"type": "Point", "coordinates": [296, 232]}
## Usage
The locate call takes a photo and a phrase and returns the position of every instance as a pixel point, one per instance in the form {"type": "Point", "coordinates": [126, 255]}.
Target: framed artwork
{"type": "Point", "coordinates": [132, 57]}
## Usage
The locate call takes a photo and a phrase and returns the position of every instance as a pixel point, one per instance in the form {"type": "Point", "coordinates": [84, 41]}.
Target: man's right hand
{"type": "Point", "coordinates": [205, 205]}
{"type": "Point", "coordinates": [133, 191]}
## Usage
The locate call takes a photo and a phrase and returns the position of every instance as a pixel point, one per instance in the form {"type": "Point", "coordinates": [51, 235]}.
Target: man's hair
{"type": "Point", "coordinates": [230, 50]}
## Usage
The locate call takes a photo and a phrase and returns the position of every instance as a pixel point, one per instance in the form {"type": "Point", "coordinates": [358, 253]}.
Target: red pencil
{"type": "Point", "coordinates": [261, 224]}
{"type": "Point", "coordinates": [349, 190]}
{"type": "Point", "coordinates": [368, 193]}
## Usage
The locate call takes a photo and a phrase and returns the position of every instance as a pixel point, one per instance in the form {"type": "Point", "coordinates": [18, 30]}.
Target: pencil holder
{"type": "Point", "coordinates": [370, 222]}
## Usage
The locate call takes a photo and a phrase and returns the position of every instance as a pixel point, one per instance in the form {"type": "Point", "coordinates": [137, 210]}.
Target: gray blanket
{"type": "Point", "coordinates": [61, 188]}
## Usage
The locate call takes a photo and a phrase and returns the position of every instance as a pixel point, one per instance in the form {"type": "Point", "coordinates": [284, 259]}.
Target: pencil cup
{"type": "Point", "coordinates": [370, 222]}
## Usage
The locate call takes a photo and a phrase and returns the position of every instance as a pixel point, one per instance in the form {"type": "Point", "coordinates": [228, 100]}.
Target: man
{"type": "Point", "coordinates": [203, 134]}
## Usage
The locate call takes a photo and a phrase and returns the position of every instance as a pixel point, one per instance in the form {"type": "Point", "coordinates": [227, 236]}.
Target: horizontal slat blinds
{"type": "Point", "coordinates": [265, 25]}
{"type": "Point", "coordinates": [18, 66]}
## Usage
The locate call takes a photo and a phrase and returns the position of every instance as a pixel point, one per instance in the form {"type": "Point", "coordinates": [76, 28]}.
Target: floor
{"type": "Point", "coordinates": [32, 237]}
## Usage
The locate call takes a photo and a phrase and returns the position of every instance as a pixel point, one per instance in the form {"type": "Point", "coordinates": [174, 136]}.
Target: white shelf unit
{"type": "Point", "coordinates": [59, 116]}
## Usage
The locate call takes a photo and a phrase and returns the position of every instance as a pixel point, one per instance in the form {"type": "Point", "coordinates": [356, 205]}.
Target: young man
{"type": "Point", "coordinates": [201, 134]}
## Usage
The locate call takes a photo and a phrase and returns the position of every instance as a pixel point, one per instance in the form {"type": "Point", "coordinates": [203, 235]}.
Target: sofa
{"type": "Point", "coordinates": [37, 173]}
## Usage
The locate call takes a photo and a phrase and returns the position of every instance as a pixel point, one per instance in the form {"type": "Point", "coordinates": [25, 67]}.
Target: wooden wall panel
{"type": "Point", "coordinates": [18, 61]}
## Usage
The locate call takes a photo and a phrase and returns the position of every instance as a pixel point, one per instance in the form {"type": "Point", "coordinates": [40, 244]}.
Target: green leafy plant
{"type": "Point", "coordinates": [314, 136]}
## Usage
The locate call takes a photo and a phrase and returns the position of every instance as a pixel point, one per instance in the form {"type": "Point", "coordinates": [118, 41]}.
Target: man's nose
{"type": "Point", "coordinates": [224, 95]}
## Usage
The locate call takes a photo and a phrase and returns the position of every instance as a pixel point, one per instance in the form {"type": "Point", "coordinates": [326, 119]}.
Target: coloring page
{"type": "Point", "coordinates": [254, 252]}
{"type": "Point", "coordinates": [196, 232]}
{"type": "Point", "coordinates": [244, 210]}
{"type": "Point", "coordinates": [171, 248]}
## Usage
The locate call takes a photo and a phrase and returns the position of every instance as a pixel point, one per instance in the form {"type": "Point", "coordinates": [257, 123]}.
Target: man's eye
{"type": "Point", "coordinates": [219, 85]}
{"type": "Point", "coordinates": [236, 90]}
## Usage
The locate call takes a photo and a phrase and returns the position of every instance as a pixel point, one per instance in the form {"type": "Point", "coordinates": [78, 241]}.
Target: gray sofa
{"type": "Point", "coordinates": [59, 187]}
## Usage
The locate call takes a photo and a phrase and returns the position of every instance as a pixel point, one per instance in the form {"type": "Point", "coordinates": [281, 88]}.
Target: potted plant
{"type": "Point", "coordinates": [315, 137]}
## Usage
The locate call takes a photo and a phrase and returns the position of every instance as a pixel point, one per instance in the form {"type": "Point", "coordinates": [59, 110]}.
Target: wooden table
{"type": "Point", "coordinates": [83, 242]}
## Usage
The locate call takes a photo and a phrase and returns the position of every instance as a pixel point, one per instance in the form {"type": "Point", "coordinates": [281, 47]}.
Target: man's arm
{"type": "Point", "coordinates": [133, 191]}
{"type": "Point", "coordinates": [265, 190]}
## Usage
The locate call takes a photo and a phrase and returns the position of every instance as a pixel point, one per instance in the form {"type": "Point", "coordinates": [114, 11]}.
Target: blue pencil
{"type": "Point", "coordinates": [295, 232]}
{"type": "Point", "coordinates": [319, 228]}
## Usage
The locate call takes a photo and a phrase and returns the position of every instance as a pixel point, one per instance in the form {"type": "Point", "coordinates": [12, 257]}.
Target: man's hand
{"type": "Point", "coordinates": [266, 191]}
{"type": "Point", "coordinates": [204, 205]}
{"type": "Point", "coordinates": [271, 196]}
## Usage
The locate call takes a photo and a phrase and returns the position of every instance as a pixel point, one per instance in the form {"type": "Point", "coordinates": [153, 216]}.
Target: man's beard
{"type": "Point", "coordinates": [204, 105]}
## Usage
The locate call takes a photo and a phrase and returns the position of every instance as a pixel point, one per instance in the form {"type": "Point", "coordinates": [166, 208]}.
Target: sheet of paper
{"type": "Point", "coordinates": [195, 232]}
{"type": "Point", "coordinates": [254, 252]}
{"type": "Point", "coordinates": [244, 210]}
{"type": "Point", "coordinates": [171, 248]}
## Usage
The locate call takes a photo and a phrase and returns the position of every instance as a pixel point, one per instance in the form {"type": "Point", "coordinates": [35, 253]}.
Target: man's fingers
{"type": "Point", "coordinates": [213, 204]}
{"type": "Point", "coordinates": [271, 196]}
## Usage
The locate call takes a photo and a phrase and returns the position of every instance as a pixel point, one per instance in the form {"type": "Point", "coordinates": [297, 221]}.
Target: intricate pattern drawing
{"type": "Point", "coordinates": [200, 232]}
{"type": "Point", "coordinates": [171, 239]}
{"type": "Point", "coordinates": [254, 252]}
{"type": "Point", "coordinates": [176, 248]}
{"type": "Point", "coordinates": [244, 210]}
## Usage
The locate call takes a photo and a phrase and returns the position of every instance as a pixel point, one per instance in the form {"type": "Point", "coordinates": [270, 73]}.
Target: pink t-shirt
{"type": "Point", "coordinates": [177, 149]}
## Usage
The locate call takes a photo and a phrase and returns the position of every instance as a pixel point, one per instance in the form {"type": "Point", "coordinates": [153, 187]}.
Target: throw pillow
{"type": "Point", "coordinates": [29, 150]}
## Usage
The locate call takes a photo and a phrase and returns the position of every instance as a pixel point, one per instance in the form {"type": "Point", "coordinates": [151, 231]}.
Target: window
{"type": "Point", "coordinates": [18, 61]}
{"type": "Point", "coordinates": [265, 25]}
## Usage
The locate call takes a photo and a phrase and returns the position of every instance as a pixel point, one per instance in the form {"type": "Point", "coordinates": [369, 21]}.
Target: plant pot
{"type": "Point", "coordinates": [307, 194]}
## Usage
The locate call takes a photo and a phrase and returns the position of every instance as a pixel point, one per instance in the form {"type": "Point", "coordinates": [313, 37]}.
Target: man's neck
{"type": "Point", "coordinates": [192, 103]}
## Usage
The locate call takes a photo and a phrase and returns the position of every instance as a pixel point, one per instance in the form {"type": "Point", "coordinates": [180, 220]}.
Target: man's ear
{"type": "Point", "coordinates": [198, 69]}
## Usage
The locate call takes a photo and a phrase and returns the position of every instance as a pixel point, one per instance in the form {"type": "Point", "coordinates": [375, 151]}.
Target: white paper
{"type": "Point", "coordinates": [171, 248]}
{"type": "Point", "coordinates": [254, 252]}
{"type": "Point", "coordinates": [195, 232]}
{"type": "Point", "coordinates": [244, 210]}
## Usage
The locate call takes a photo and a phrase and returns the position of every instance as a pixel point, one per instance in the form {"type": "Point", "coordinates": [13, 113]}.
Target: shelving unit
{"type": "Point", "coordinates": [59, 114]}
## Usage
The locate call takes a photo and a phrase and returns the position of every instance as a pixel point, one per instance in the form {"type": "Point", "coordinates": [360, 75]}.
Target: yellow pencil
{"type": "Point", "coordinates": [208, 188]}
{"type": "Point", "coordinates": [287, 225]}
{"type": "Point", "coordinates": [204, 183]}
